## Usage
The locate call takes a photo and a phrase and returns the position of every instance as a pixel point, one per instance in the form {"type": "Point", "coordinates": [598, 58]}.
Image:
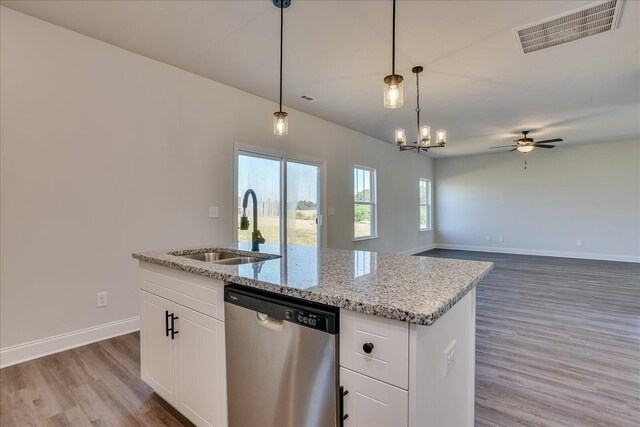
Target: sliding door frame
{"type": "Point", "coordinates": [283, 157]}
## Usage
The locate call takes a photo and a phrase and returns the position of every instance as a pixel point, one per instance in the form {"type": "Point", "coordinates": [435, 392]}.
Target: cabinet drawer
{"type": "Point", "coordinates": [388, 361]}
{"type": "Point", "coordinates": [372, 403]}
{"type": "Point", "coordinates": [199, 293]}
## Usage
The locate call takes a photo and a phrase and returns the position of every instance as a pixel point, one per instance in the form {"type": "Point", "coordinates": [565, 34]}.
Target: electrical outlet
{"type": "Point", "coordinates": [449, 358]}
{"type": "Point", "coordinates": [101, 299]}
{"type": "Point", "coordinates": [213, 212]}
{"type": "Point", "coordinates": [579, 242]}
{"type": "Point", "coordinates": [331, 211]}
{"type": "Point", "coordinates": [488, 238]}
{"type": "Point", "coordinates": [501, 238]}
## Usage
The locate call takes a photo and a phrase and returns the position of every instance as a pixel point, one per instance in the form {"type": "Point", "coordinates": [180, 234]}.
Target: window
{"type": "Point", "coordinates": [425, 203]}
{"type": "Point", "coordinates": [364, 199]}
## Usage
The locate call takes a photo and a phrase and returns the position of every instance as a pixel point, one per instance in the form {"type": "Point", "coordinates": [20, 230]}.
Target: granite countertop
{"type": "Point", "coordinates": [402, 287]}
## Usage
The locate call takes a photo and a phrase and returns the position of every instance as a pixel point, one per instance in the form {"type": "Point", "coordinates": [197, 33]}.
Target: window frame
{"type": "Point", "coordinates": [373, 203]}
{"type": "Point", "coordinates": [427, 204]}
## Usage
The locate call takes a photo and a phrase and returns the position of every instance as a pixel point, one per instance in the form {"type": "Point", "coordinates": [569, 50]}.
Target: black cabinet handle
{"type": "Point", "coordinates": [341, 414]}
{"type": "Point", "coordinates": [171, 329]}
{"type": "Point", "coordinates": [367, 347]}
{"type": "Point", "coordinates": [166, 323]}
{"type": "Point", "coordinates": [173, 325]}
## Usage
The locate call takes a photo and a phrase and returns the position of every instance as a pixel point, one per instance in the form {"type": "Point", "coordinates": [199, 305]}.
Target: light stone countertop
{"type": "Point", "coordinates": [403, 287]}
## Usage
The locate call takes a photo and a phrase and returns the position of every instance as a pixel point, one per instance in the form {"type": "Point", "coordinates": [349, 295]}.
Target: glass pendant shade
{"type": "Point", "coordinates": [441, 137]}
{"type": "Point", "coordinates": [401, 137]}
{"type": "Point", "coordinates": [393, 91]}
{"type": "Point", "coordinates": [280, 123]}
{"type": "Point", "coordinates": [525, 148]}
{"type": "Point", "coordinates": [425, 134]}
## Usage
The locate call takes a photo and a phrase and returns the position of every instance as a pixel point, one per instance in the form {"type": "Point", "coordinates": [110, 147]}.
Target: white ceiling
{"type": "Point", "coordinates": [476, 84]}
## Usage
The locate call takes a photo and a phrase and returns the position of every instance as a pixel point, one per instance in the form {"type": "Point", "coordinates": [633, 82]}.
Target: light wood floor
{"type": "Point", "coordinates": [95, 385]}
{"type": "Point", "coordinates": [557, 341]}
{"type": "Point", "coordinates": [558, 344]}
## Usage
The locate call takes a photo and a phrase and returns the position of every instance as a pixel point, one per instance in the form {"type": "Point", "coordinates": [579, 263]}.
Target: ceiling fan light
{"type": "Point", "coordinates": [525, 148]}
{"type": "Point", "coordinates": [425, 134]}
{"type": "Point", "coordinates": [401, 137]}
{"type": "Point", "coordinates": [393, 96]}
{"type": "Point", "coordinates": [441, 137]}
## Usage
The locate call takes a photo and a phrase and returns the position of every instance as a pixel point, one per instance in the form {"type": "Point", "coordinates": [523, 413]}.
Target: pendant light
{"type": "Point", "coordinates": [280, 122]}
{"type": "Point", "coordinates": [393, 82]}
{"type": "Point", "coordinates": [424, 131]}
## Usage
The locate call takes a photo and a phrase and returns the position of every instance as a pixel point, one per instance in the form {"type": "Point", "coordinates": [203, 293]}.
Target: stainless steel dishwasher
{"type": "Point", "coordinates": [282, 361]}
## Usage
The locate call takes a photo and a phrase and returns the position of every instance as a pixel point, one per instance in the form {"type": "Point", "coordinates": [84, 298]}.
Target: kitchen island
{"type": "Point", "coordinates": [416, 313]}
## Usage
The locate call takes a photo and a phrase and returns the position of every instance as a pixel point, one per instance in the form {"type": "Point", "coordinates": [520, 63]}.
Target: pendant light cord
{"type": "Point", "coordinates": [281, 38]}
{"type": "Point", "coordinates": [393, 42]}
{"type": "Point", "coordinates": [418, 104]}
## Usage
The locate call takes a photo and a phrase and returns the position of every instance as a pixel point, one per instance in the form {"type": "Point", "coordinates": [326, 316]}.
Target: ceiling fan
{"type": "Point", "coordinates": [526, 144]}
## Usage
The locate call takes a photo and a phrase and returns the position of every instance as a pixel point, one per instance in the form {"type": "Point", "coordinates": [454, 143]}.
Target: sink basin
{"type": "Point", "coordinates": [239, 260]}
{"type": "Point", "coordinates": [226, 258]}
{"type": "Point", "coordinates": [211, 256]}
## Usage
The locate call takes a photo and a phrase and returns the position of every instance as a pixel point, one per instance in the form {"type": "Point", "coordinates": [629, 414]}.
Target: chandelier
{"type": "Point", "coordinates": [424, 131]}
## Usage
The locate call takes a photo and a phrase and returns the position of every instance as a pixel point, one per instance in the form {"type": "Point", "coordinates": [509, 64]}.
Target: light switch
{"type": "Point", "coordinates": [213, 212]}
{"type": "Point", "coordinates": [331, 211]}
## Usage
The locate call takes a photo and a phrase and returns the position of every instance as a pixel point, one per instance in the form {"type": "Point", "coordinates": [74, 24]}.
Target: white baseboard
{"type": "Point", "coordinates": [43, 347]}
{"type": "Point", "coordinates": [417, 250]}
{"type": "Point", "coordinates": [559, 254]}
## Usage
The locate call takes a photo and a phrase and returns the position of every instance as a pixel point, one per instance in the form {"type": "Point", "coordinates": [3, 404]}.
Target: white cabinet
{"type": "Point", "coordinates": [372, 403]}
{"type": "Point", "coordinates": [201, 373]}
{"type": "Point", "coordinates": [393, 371]}
{"type": "Point", "coordinates": [157, 350]}
{"type": "Point", "coordinates": [182, 350]}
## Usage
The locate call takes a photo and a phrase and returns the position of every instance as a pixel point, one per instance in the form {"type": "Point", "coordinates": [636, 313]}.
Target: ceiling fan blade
{"type": "Point", "coordinates": [543, 146]}
{"type": "Point", "coordinates": [512, 150]}
{"type": "Point", "coordinates": [549, 140]}
{"type": "Point", "coordinates": [504, 146]}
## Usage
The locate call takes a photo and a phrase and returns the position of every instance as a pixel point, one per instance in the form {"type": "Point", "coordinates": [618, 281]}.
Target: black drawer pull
{"type": "Point", "coordinates": [342, 415]}
{"type": "Point", "coordinates": [367, 347]}
{"type": "Point", "coordinates": [173, 325]}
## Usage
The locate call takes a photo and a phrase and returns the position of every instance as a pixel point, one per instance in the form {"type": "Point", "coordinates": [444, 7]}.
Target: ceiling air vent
{"type": "Point", "coordinates": [308, 98]}
{"type": "Point", "coordinates": [576, 24]}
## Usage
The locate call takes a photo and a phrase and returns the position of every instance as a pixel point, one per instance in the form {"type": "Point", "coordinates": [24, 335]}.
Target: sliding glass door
{"type": "Point", "coordinates": [288, 194]}
{"type": "Point", "coordinates": [302, 204]}
{"type": "Point", "coordinates": [262, 175]}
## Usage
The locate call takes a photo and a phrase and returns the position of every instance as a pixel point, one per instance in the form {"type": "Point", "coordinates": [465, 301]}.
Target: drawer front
{"type": "Point", "coordinates": [199, 293]}
{"type": "Point", "coordinates": [388, 360]}
{"type": "Point", "coordinates": [372, 403]}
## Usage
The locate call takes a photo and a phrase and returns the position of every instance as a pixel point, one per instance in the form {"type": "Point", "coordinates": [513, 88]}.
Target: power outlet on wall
{"type": "Point", "coordinates": [213, 212]}
{"type": "Point", "coordinates": [488, 238]}
{"type": "Point", "coordinates": [579, 242]}
{"type": "Point", "coordinates": [101, 299]}
{"type": "Point", "coordinates": [448, 358]}
{"type": "Point", "coordinates": [501, 238]}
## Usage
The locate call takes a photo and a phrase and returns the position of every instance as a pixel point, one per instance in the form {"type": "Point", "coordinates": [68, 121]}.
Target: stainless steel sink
{"type": "Point", "coordinates": [226, 258]}
{"type": "Point", "coordinates": [239, 260]}
{"type": "Point", "coordinates": [211, 256]}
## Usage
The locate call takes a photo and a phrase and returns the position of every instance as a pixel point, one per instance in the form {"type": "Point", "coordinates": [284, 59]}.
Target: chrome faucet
{"type": "Point", "coordinates": [256, 236]}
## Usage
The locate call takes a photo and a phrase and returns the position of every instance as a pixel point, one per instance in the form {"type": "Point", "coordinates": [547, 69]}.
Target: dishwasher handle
{"type": "Point", "coordinates": [269, 322]}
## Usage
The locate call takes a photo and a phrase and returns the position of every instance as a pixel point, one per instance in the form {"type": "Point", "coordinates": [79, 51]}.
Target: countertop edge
{"type": "Point", "coordinates": [372, 309]}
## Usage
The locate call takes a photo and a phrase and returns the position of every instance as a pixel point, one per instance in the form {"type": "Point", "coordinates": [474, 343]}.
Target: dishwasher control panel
{"type": "Point", "coordinates": [306, 318]}
{"type": "Point", "coordinates": [316, 316]}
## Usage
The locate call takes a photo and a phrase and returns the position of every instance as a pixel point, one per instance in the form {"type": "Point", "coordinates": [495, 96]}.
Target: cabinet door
{"type": "Point", "coordinates": [157, 350]}
{"type": "Point", "coordinates": [371, 403]}
{"type": "Point", "coordinates": [201, 369]}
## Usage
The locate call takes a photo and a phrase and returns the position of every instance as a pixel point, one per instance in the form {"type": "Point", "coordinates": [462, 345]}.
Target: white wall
{"type": "Point", "coordinates": [587, 192]}
{"type": "Point", "coordinates": [105, 152]}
